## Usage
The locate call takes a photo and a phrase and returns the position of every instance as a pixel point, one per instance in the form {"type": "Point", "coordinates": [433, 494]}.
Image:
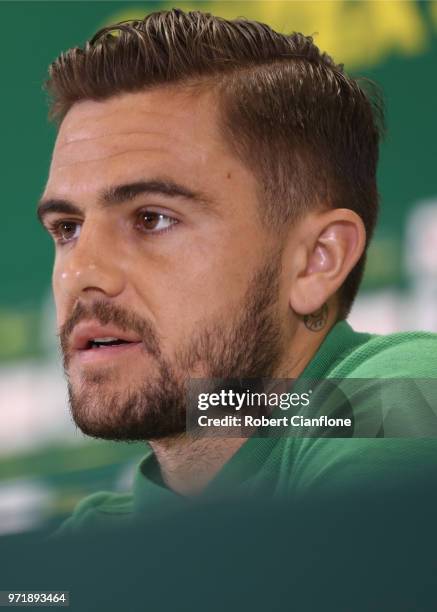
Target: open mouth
{"type": "Point", "coordinates": [108, 346]}
{"type": "Point", "coordinates": [99, 351]}
{"type": "Point", "coordinates": [108, 350]}
{"type": "Point", "coordinates": [96, 343]}
{"type": "Point", "coordinates": [92, 342]}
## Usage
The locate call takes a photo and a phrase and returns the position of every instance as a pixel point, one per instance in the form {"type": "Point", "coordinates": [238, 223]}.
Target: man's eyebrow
{"type": "Point", "coordinates": [118, 194]}
{"type": "Point", "coordinates": [54, 205]}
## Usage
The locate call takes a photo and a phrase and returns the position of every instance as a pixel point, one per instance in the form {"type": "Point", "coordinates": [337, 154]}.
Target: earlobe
{"type": "Point", "coordinates": [333, 243]}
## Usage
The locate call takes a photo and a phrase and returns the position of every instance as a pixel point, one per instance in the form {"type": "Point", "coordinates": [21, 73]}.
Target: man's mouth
{"type": "Point", "coordinates": [92, 342]}
{"type": "Point", "coordinates": [104, 342]}
{"type": "Point", "coordinates": [98, 352]}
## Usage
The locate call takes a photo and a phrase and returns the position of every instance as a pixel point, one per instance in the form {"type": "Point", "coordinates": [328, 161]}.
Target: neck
{"type": "Point", "coordinates": [188, 464]}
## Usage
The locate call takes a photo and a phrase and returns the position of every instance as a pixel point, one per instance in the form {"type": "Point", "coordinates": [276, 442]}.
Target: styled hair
{"type": "Point", "coordinates": [309, 132]}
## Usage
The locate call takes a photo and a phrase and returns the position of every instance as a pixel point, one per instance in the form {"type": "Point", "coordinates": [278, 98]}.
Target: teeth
{"type": "Point", "coordinates": [108, 339]}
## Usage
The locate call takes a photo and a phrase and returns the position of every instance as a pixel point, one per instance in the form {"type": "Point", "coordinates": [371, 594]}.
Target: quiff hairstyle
{"type": "Point", "coordinates": [309, 132]}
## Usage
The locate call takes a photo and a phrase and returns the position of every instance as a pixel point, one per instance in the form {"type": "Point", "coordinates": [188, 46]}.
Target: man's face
{"type": "Point", "coordinates": [163, 269]}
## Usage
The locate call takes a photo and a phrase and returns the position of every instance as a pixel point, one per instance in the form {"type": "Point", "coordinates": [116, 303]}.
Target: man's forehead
{"type": "Point", "coordinates": [140, 135]}
{"type": "Point", "coordinates": [159, 111]}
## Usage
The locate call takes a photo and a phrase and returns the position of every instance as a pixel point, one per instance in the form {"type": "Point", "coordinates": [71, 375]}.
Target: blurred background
{"type": "Point", "coordinates": [46, 466]}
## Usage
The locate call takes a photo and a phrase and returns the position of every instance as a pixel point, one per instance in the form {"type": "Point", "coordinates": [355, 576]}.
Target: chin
{"type": "Point", "coordinates": [112, 410]}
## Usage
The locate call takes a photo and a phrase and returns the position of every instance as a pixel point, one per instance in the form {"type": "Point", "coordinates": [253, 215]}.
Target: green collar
{"type": "Point", "coordinates": [341, 339]}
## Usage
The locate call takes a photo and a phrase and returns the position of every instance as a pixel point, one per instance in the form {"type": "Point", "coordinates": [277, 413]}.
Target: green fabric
{"type": "Point", "coordinates": [296, 467]}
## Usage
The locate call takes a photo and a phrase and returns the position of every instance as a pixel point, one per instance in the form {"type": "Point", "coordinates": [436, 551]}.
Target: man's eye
{"type": "Point", "coordinates": [65, 231]}
{"type": "Point", "coordinates": [154, 222]}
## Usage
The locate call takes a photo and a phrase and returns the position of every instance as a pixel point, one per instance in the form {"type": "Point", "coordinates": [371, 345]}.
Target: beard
{"type": "Point", "coordinates": [246, 343]}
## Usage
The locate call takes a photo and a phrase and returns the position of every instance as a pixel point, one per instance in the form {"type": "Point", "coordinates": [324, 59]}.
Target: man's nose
{"type": "Point", "coordinates": [92, 264]}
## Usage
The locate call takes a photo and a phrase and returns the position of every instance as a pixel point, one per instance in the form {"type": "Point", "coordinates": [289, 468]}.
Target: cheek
{"type": "Point", "coordinates": [196, 287]}
{"type": "Point", "coordinates": [173, 293]}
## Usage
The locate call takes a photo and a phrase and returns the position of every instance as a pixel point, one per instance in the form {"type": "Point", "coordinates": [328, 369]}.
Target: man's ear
{"type": "Point", "coordinates": [330, 244]}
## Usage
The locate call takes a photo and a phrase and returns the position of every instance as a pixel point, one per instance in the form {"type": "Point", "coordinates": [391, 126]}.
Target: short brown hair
{"type": "Point", "coordinates": [309, 132]}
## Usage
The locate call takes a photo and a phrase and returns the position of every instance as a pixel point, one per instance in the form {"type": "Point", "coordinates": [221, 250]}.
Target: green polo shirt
{"type": "Point", "coordinates": [294, 467]}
